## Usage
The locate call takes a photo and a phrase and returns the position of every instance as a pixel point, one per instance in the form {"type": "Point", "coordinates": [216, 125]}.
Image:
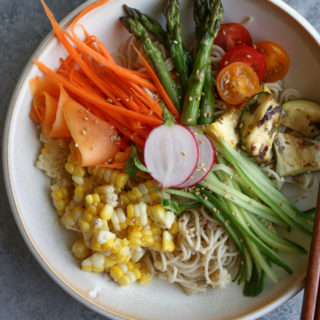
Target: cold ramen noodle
{"type": "Point", "coordinates": [168, 161]}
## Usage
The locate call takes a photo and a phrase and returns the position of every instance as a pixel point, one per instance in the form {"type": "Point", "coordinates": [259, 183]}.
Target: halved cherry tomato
{"type": "Point", "coordinates": [237, 82]}
{"type": "Point", "coordinates": [231, 35]}
{"type": "Point", "coordinates": [276, 58]}
{"type": "Point", "coordinates": [248, 55]}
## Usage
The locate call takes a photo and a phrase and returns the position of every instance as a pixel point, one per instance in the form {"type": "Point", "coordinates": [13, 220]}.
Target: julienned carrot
{"type": "Point", "coordinates": [139, 142]}
{"type": "Point", "coordinates": [116, 165]}
{"type": "Point", "coordinates": [97, 100]}
{"type": "Point", "coordinates": [87, 10]}
{"type": "Point", "coordinates": [74, 53]}
{"type": "Point", "coordinates": [120, 71]}
{"type": "Point", "coordinates": [151, 103]}
{"type": "Point", "coordinates": [159, 86]}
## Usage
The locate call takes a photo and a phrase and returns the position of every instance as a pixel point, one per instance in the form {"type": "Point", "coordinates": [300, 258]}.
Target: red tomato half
{"type": "Point", "coordinates": [236, 83]}
{"type": "Point", "coordinates": [231, 35]}
{"type": "Point", "coordinates": [247, 55]}
{"type": "Point", "coordinates": [276, 58]}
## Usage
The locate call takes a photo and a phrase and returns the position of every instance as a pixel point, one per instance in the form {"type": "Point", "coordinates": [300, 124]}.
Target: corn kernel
{"type": "Point", "coordinates": [130, 211]}
{"type": "Point", "coordinates": [79, 171]}
{"type": "Point", "coordinates": [116, 273]}
{"type": "Point", "coordinates": [124, 281]}
{"type": "Point", "coordinates": [174, 228]}
{"type": "Point", "coordinates": [59, 204]}
{"type": "Point", "coordinates": [137, 273]}
{"type": "Point", "coordinates": [145, 279]}
{"type": "Point", "coordinates": [106, 212]}
{"type": "Point", "coordinates": [95, 245]}
{"type": "Point", "coordinates": [80, 250]}
{"type": "Point", "coordinates": [121, 180]}
{"type": "Point", "coordinates": [79, 193]}
{"type": "Point", "coordinates": [84, 226]}
{"type": "Point", "coordinates": [86, 265]}
{"type": "Point", "coordinates": [98, 261]}
{"type": "Point", "coordinates": [69, 167]}
{"type": "Point", "coordinates": [167, 242]}
{"type": "Point", "coordinates": [87, 216]}
{"type": "Point", "coordinates": [57, 194]}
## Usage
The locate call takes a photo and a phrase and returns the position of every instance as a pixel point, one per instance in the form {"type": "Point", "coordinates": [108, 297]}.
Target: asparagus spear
{"type": "Point", "coordinates": [153, 26]}
{"type": "Point", "coordinates": [175, 45]}
{"type": "Point", "coordinates": [155, 56]}
{"type": "Point", "coordinates": [200, 12]}
{"type": "Point", "coordinates": [207, 97]}
{"type": "Point", "coordinates": [196, 81]}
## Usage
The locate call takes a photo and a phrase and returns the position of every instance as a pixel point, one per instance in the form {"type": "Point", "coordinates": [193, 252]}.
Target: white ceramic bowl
{"type": "Point", "coordinates": [28, 188]}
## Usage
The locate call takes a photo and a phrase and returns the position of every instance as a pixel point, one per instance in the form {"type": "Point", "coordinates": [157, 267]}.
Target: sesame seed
{"type": "Point", "coordinates": [190, 98]}
{"type": "Point", "coordinates": [226, 63]}
{"type": "Point", "coordinates": [198, 98]}
{"type": "Point", "coordinates": [76, 145]}
{"type": "Point", "coordinates": [248, 56]}
{"type": "Point", "coordinates": [127, 99]}
{"type": "Point", "coordinates": [191, 177]}
{"type": "Point", "coordinates": [81, 110]}
{"type": "Point", "coordinates": [184, 154]}
{"type": "Point", "coordinates": [84, 132]}
{"type": "Point", "coordinates": [86, 118]}
{"type": "Point", "coordinates": [97, 121]}
{"type": "Point", "coordinates": [201, 142]}
{"type": "Point", "coordinates": [189, 120]}
{"type": "Point", "coordinates": [112, 127]}
{"type": "Point", "coordinates": [175, 41]}
{"type": "Point", "coordinates": [227, 81]}
{"type": "Point", "coordinates": [224, 32]}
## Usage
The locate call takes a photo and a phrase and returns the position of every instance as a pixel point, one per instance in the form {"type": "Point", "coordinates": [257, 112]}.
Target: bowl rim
{"type": "Point", "coordinates": [286, 9]}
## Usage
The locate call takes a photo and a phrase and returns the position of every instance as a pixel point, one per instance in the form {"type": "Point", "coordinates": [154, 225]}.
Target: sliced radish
{"type": "Point", "coordinates": [171, 154]}
{"type": "Point", "coordinates": [207, 156]}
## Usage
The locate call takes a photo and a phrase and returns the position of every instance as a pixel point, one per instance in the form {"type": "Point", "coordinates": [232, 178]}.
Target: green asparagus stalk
{"type": "Point", "coordinates": [155, 56]}
{"type": "Point", "coordinates": [200, 12]}
{"type": "Point", "coordinates": [153, 26]}
{"type": "Point", "coordinates": [207, 97]}
{"type": "Point", "coordinates": [196, 81]}
{"type": "Point", "coordinates": [177, 52]}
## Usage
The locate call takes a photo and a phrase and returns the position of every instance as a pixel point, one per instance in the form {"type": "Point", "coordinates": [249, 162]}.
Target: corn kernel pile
{"type": "Point", "coordinates": [118, 220]}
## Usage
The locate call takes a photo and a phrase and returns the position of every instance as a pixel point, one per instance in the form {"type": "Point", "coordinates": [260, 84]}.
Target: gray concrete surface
{"type": "Point", "coordinates": [26, 291]}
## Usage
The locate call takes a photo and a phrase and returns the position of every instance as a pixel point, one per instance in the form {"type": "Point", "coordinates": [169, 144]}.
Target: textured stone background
{"type": "Point", "coordinates": [26, 292]}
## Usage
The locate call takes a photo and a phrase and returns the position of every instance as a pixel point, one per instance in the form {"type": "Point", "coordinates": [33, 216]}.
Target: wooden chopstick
{"type": "Point", "coordinates": [311, 292]}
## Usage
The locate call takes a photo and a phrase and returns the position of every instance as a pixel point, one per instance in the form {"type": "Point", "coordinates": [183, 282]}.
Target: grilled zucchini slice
{"type": "Point", "coordinates": [296, 155]}
{"type": "Point", "coordinates": [303, 116]}
{"type": "Point", "coordinates": [227, 126]}
{"type": "Point", "coordinates": [259, 121]}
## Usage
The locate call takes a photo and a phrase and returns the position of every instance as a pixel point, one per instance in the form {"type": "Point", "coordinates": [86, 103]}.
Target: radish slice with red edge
{"type": "Point", "coordinates": [207, 156]}
{"type": "Point", "coordinates": [171, 154]}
